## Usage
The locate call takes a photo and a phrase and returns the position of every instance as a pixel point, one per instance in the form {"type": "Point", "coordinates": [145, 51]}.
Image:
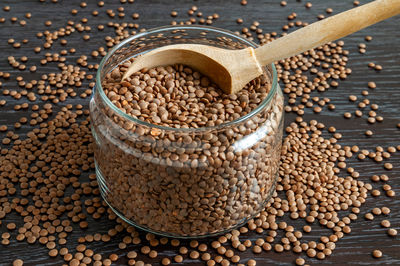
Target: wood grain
{"type": "Point", "coordinates": [384, 49]}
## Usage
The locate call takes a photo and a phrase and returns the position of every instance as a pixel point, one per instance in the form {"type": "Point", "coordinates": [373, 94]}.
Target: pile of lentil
{"type": "Point", "coordinates": [179, 97]}
{"type": "Point", "coordinates": [186, 184]}
{"type": "Point", "coordinates": [49, 197]}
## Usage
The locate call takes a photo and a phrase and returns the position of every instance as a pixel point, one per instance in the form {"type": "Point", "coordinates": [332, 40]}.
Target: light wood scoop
{"type": "Point", "coordinates": [233, 69]}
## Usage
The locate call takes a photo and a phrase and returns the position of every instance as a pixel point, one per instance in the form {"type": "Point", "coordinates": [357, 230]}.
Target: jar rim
{"type": "Point", "coordinates": [237, 121]}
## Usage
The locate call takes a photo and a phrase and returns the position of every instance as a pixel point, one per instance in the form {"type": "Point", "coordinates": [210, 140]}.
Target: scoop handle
{"type": "Point", "coordinates": [327, 30]}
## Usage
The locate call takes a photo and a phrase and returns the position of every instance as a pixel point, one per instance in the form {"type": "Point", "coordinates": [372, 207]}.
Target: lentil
{"type": "Point", "coordinates": [166, 261]}
{"type": "Point", "coordinates": [18, 262]}
{"type": "Point", "coordinates": [392, 232]}
{"type": "Point", "coordinates": [377, 253]}
{"type": "Point", "coordinates": [310, 194]}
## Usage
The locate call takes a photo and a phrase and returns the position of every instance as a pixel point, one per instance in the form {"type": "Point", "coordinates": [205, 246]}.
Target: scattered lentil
{"type": "Point", "coordinates": [392, 232]}
{"type": "Point", "coordinates": [377, 253]}
{"type": "Point", "coordinates": [67, 114]}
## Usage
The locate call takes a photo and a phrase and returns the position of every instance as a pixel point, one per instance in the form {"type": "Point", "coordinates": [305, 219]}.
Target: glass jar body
{"type": "Point", "coordinates": [185, 182]}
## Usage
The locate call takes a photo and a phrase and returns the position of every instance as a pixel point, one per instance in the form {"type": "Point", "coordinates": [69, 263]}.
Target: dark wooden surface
{"type": "Point", "coordinates": [384, 49]}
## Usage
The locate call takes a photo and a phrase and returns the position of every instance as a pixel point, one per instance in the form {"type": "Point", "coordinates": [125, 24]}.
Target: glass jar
{"type": "Point", "coordinates": [185, 182]}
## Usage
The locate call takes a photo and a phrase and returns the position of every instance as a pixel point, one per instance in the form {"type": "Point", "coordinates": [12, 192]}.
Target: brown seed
{"type": "Point", "coordinates": [377, 253]}
{"type": "Point", "coordinates": [347, 115]}
{"type": "Point", "coordinates": [18, 262]}
{"type": "Point", "coordinates": [390, 193]}
{"type": "Point", "coordinates": [193, 244]}
{"type": "Point", "coordinates": [81, 248]}
{"type": "Point", "coordinates": [353, 98]}
{"type": "Point", "coordinates": [53, 252]}
{"type": "Point", "coordinates": [145, 249]}
{"type": "Point", "coordinates": [346, 229]}
{"type": "Point", "coordinates": [175, 242]}
{"type": "Point", "coordinates": [386, 187]}
{"type": "Point", "coordinates": [178, 258]}
{"type": "Point", "coordinates": [320, 255]}
{"type": "Point", "coordinates": [376, 193]}
{"type": "Point", "coordinates": [202, 247]}
{"type": "Point", "coordinates": [166, 261]}
{"type": "Point", "coordinates": [241, 247]}
{"type": "Point", "coordinates": [153, 254]}
{"type": "Point", "coordinates": [317, 109]}
{"type": "Point", "coordinates": [11, 226]}
{"type": "Point", "coordinates": [235, 259]}
{"type": "Point", "coordinates": [183, 250]}
{"type": "Point", "coordinates": [388, 166]}
{"type": "Point", "coordinates": [267, 246]}
{"type": "Point", "coordinates": [385, 223]}
{"type": "Point", "coordinates": [392, 232]}
{"type": "Point", "coordinates": [257, 249]}
{"type": "Point", "coordinates": [278, 248]}
{"type": "Point", "coordinates": [377, 211]}
{"type": "Point", "coordinates": [311, 253]}
{"type": "Point", "coordinates": [221, 250]}
{"type": "Point", "coordinates": [369, 216]}
{"type": "Point", "coordinates": [194, 254]}
{"type": "Point", "coordinates": [251, 262]}
{"type": "Point", "coordinates": [206, 256]}
{"type": "Point", "coordinates": [385, 210]}
{"type": "Point", "coordinates": [131, 255]}
{"type": "Point", "coordinates": [371, 85]}
{"type": "Point", "coordinates": [300, 261]}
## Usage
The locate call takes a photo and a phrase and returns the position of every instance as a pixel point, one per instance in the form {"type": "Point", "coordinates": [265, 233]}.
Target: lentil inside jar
{"type": "Point", "coordinates": [174, 154]}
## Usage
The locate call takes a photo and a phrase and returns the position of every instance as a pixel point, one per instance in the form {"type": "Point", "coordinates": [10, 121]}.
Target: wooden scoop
{"type": "Point", "coordinates": [233, 69]}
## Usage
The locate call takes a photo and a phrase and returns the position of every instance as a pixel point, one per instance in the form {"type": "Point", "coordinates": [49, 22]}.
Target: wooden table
{"type": "Point", "coordinates": [384, 49]}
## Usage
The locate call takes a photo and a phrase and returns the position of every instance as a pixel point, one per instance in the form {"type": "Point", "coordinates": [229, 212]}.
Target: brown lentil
{"type": "Point", "coordinates": [178, 258]}
{"type": "Point", "coordinates": [165, 261]}
{"type": "Point", "coordinates": [18, 262]}
{"type": "Point", "coordinates": [377, 253]}
{"type": "Point", "coordinates": [279, 210]}
{"type": "Point", "coordinates": [251, 262]}
{"type": "Point", "coordinates": [392, 232]}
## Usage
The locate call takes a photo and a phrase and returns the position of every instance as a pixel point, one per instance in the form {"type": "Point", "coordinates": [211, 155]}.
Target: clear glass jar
{"type": "Point", "coordinates": [187, 182]}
